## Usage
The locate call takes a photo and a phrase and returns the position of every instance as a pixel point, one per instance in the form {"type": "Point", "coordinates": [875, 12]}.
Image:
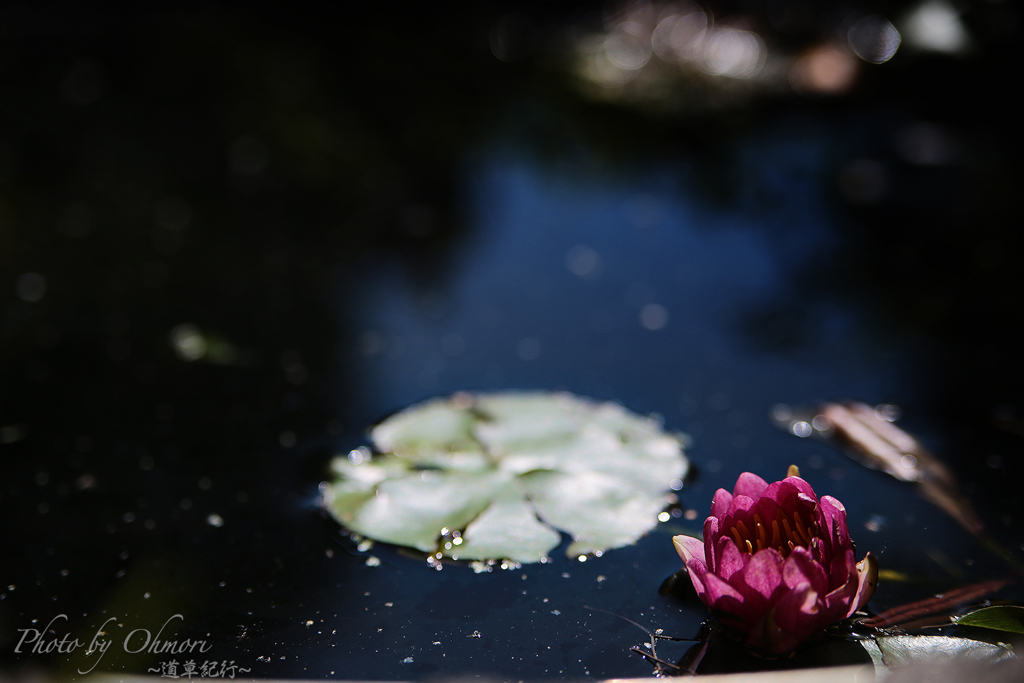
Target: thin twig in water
{"type": "Point", "coordinates": [651, 656]}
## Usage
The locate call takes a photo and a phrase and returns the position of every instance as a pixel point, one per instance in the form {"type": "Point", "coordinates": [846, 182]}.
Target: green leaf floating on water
{"type": "Point", "coordinates": [1000, 618]}
{"type": "Point", "coordinates": [506, 471]}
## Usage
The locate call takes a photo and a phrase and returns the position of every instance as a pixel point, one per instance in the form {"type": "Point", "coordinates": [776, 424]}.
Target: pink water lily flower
{"type": "Point", "coordinates": [776, 563]}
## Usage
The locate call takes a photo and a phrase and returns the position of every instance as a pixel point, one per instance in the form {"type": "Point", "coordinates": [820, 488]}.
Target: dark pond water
{"type": "Point", "coordinates": [228, 244]}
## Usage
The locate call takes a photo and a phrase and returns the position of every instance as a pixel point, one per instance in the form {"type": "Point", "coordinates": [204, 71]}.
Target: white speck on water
{"type": "Point", "coordinates": [213, 519]}
{"type": "Point", "coordinates": [407, 660]}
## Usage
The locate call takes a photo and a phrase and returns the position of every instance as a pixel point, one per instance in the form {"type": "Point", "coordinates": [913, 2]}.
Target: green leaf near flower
{"type": "Point", "coordinates": [506, 471]}
{"type": "Point", "coordinates": [999, 618]}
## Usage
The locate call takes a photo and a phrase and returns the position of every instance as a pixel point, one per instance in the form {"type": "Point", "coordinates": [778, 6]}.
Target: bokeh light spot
{"type": "Point", "coordinates": [734, 53]}
{"type": "Point", "coordinates": [653, 316]}
{"type": "Point", "coordinates": [825, 69]}
{"type": "Point", "coordinates": [936, 25]}
{"type": "Point", "coordinates": [874, 39]}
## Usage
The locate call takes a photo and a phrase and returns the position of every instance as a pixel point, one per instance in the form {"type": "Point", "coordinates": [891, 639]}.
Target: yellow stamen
{"type": "Point", "coordinates": [743, 529]}
{"type": "Point", "coordinates": [762, 541]}
{"type": "Point", "coordinates": [804, 536]}
{"type": "Point", "coordinates": [736, 537]}
{"type": "Point", "coordinates": [775, 533]}
{"type": "Point", "coordinates": [750, 548]}
{"type": "Point", "coordinates": [789, 529]}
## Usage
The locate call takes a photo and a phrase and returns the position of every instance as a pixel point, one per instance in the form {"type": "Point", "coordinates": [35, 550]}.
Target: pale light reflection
{"type": "Point", "coordinates": [653, 317]}
{"type": "Point", "coordinates": [733, 53]}
{"type": "Point", "coordinates": [874, 39]}
{"type": "Point", "coordinates": [616, 58]}
{"type": "Point", "coordinates": [596, 66]}
{"type": "Point", "coordinates": [583, 261]}
{"type": "Point", "coordinates": [188, 342]}
{"type": "Point", "coordinates": [825, 69]}
{"type": "Point", "coordinates": [679, 35]}
{"type": "Point", "coordinates": [192, 344]}
{"type": "Point", "coordinates": [935, 25]}
{"type": "Point", "coordinates": [628, 46]}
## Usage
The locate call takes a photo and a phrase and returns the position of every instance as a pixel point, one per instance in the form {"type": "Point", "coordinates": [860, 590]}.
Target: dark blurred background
{"type": "Point", "coordinates": [231, 238]}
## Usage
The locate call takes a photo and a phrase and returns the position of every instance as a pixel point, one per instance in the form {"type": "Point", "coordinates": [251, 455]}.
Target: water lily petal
{"type": "Point", "coordinates": [843, 567]}
{"type": "Point", "coordinates": [697, 573]}
{"type": "Point", "coordinates": [730, 561]}
{"type": "Point", "coordinates": [727, 603]}
{"type": "Point", "coordinates": [720, 503]}
{"type": "Point", "coordinates": [844, 584]}
{"type": "Point", "coordinates": [802, 486]}
{"type": "Point", "coordinates": [711, 536]}
{"type": "Point", "coordinates": [749, 485]}
{"type": "Point", "coordinates": [688, 548]}
{"type": "Point", "coordinates": [835, 605]}
{"type": "Point", "coordinates": [791, 622]}
{"type": "Point", "coordinates": [724, 542]}
{"type": "Point", "coordinates": [790, 487]}
{"type": "Point", "coordinates": [763, 574]}
{"type": "Point", "coordinates": [800, 568]}
{"type": "Point", "coordinates": [778, 490]}
{"type": "Point", "coordinates": [719, 589]}
{"type": "Point", "coordinates": [867, 581]}
{"type": "Point", "coordinates": [740, 504]}
{"type": "Point", "coordinates": [834, 528]}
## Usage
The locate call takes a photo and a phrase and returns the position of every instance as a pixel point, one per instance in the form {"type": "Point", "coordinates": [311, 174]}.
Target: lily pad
{"type": "Point", "coordinates": [496, 476]}
{"type": "Point", "coordinates": [896, 652]}
{"type": "Point", "coordinates": [1008, 618]}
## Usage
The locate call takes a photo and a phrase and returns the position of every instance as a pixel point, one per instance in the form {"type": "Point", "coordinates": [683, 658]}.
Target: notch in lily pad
{"type": "Point", "coordinates": [498, 476]}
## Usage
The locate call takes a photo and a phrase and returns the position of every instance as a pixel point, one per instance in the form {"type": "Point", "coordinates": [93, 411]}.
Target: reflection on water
{"type": "Point", "coordinates": [646, 284]}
